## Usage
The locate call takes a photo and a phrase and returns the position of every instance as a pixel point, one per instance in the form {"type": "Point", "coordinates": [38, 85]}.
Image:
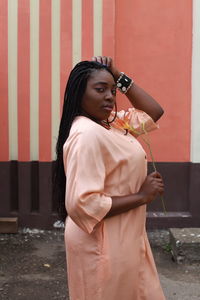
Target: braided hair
{"type": "Point", "coordinates": [74, 92]}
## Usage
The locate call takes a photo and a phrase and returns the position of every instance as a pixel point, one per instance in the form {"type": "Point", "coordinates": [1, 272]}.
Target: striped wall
{"type": "Point", "coordinates": [156, 42]}
{"type": "Point", "coordinates": [40, 42]}
{"type": "Point", "coordinates": [152, 41]}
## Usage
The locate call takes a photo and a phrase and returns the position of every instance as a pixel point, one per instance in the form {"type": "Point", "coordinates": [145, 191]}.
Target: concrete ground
{"type": "Point", "coordinates": [32, 267]}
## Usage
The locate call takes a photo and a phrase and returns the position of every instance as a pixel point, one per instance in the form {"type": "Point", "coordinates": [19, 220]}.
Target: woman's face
{"type": "Point", "coordinates": [99, 98]}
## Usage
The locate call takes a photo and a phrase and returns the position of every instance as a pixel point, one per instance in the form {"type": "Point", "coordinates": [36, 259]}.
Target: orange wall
{"type": "Point", "coordinates": [149, 40]}
{"type": "Point", "coordinates": [153, 45]}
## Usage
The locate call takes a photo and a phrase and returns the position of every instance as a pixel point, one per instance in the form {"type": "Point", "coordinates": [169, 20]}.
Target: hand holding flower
{"type": "Point", "coordinates": [152, 187]}
{"type": "Point", "coordinates": [157, 182]}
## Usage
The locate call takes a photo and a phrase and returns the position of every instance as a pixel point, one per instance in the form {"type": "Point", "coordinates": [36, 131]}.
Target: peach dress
{"type": "Point", "coordinates": [107, 259]}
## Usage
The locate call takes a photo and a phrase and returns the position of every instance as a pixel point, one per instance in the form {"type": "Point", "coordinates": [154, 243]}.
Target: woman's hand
{"type": "Point", "coordinates": [108, 61]}
{"type": "Point", "coordinates": [152, 187]}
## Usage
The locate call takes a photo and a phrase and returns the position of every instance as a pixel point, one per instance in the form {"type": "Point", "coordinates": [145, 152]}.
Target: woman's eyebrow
{"type": "Point", "coordinates": [104, 83]}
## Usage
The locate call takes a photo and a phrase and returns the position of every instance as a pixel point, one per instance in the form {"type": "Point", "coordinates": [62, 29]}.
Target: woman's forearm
{"type": "Point", "coordinates": [151, 187]}
{"type": "Point", "coordinates": [121, 204]}
{"type": "Point", "coordinates": [143, 101]}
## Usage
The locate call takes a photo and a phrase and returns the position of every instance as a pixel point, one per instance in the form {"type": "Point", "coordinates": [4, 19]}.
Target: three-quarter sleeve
{"type": "Point", "coordinates": [136, 121]}
{"type": "Point", "coordinates": [85, 168]}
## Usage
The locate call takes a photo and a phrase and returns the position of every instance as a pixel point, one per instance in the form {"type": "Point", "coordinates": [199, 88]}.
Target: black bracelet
{"type": "Point", "coordinates": [124, 83]}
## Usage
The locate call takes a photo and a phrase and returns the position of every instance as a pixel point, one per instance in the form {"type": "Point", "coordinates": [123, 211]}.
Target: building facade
{"type": "Point", "coordinates": [155, 42]}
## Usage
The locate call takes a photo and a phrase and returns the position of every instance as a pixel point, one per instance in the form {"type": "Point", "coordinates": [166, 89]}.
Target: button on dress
{"type": "Point", "coordinates": [107, 259]}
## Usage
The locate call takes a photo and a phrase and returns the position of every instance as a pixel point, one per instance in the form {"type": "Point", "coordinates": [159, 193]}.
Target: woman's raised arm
{"type": "Point", "coordinates": [136, 95]}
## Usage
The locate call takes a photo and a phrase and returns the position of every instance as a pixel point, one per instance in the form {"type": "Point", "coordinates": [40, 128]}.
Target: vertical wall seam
{"type": "Point", "coordinates": [76, 31]}
{"type": "Point", "coordinates": [195, 102]}
{"type": "Point", "coordinates": [97, 5]}
{"type": "Point", "coordinates": [4, 136]}
{"type": "Point", "coordinates": [55, 42]}
{"type": "Point", "coordinates": [34, 79]}
{"type": "Point", "coordinates": [12, 78]}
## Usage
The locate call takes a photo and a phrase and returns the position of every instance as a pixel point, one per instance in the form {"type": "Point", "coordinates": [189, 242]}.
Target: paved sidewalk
{"type": "Point", "coordinates": [32, 267]}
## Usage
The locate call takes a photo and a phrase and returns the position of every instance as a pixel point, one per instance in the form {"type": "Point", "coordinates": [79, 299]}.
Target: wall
{"type": "Point", "coordinates": [149, 40]}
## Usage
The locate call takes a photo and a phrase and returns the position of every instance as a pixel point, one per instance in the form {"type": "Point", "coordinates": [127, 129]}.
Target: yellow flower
{"type": "Point", "coordinates": [124, 124]}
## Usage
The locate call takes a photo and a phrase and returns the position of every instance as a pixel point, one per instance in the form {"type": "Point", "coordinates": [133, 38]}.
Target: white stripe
{"type": "Point", "coordinates": [34, 79]}
{"type": "Point", "coordinates": [12, 79]}
{"type": "Point", "coordinates": [97, 4]}
{"type": "Point", "coordinates": [195, 123]}
{"type": "Point", "coordinates": [76, 30]}
{"type": "Point", "coordinates": [55, 109]}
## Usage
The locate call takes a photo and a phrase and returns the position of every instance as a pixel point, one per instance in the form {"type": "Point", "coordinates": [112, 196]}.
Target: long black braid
{"type": "Point", "coordinates": [74, 92]}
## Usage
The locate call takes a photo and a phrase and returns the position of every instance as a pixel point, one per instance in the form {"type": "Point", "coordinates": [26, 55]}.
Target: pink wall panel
{"type": "Point", "coordinates": [87, 29]}
{"type": "Point", "coordinates": [153, 45]}
{"type": "Point", "coordinates": [23, 80]}
{"type": "Point", "coordinates": [45, 82]}
{"type": "Point", "coordinates": [65, 44]}
{"type": "Point", "coordinates": [108, 30]}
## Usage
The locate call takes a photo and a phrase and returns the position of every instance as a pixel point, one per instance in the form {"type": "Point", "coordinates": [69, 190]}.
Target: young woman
{"type": "Point", "coordinates": [101, 179]}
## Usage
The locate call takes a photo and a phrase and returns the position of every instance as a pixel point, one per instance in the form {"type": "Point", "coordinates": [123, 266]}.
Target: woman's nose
{"type": "Point", "coordinates": [109, 96]}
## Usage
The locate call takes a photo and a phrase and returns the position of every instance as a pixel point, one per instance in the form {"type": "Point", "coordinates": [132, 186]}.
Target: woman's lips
{"type": "Point", "coordinates": [108, 107]}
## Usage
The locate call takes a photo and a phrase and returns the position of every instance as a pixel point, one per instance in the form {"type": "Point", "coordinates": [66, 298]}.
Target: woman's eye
{"type": "Point", "coordinates": [100, 90]}
{"type": "Point", "coordinates": [114, 91]}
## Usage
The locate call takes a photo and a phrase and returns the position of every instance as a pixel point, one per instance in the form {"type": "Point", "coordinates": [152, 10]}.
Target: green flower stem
{"type": "Point", "coordinates": [153, 162]}
{"type": "Point", "coordinates": [131, 129]}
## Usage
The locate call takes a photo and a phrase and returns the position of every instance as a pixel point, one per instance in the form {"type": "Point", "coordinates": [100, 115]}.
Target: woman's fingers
{"type": "Point", "coordinates": [156, 182]}
{"type": "Point", "coordinates": [99, 59]}
{"type": "Point", "coordinates": [156, 174]}
{"type": "Point", "coordinates": [159, 186]}
{"type": "Point", "coordinates": [109, 62]}
{"type": "Point", "coordinates": [105, 60]}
